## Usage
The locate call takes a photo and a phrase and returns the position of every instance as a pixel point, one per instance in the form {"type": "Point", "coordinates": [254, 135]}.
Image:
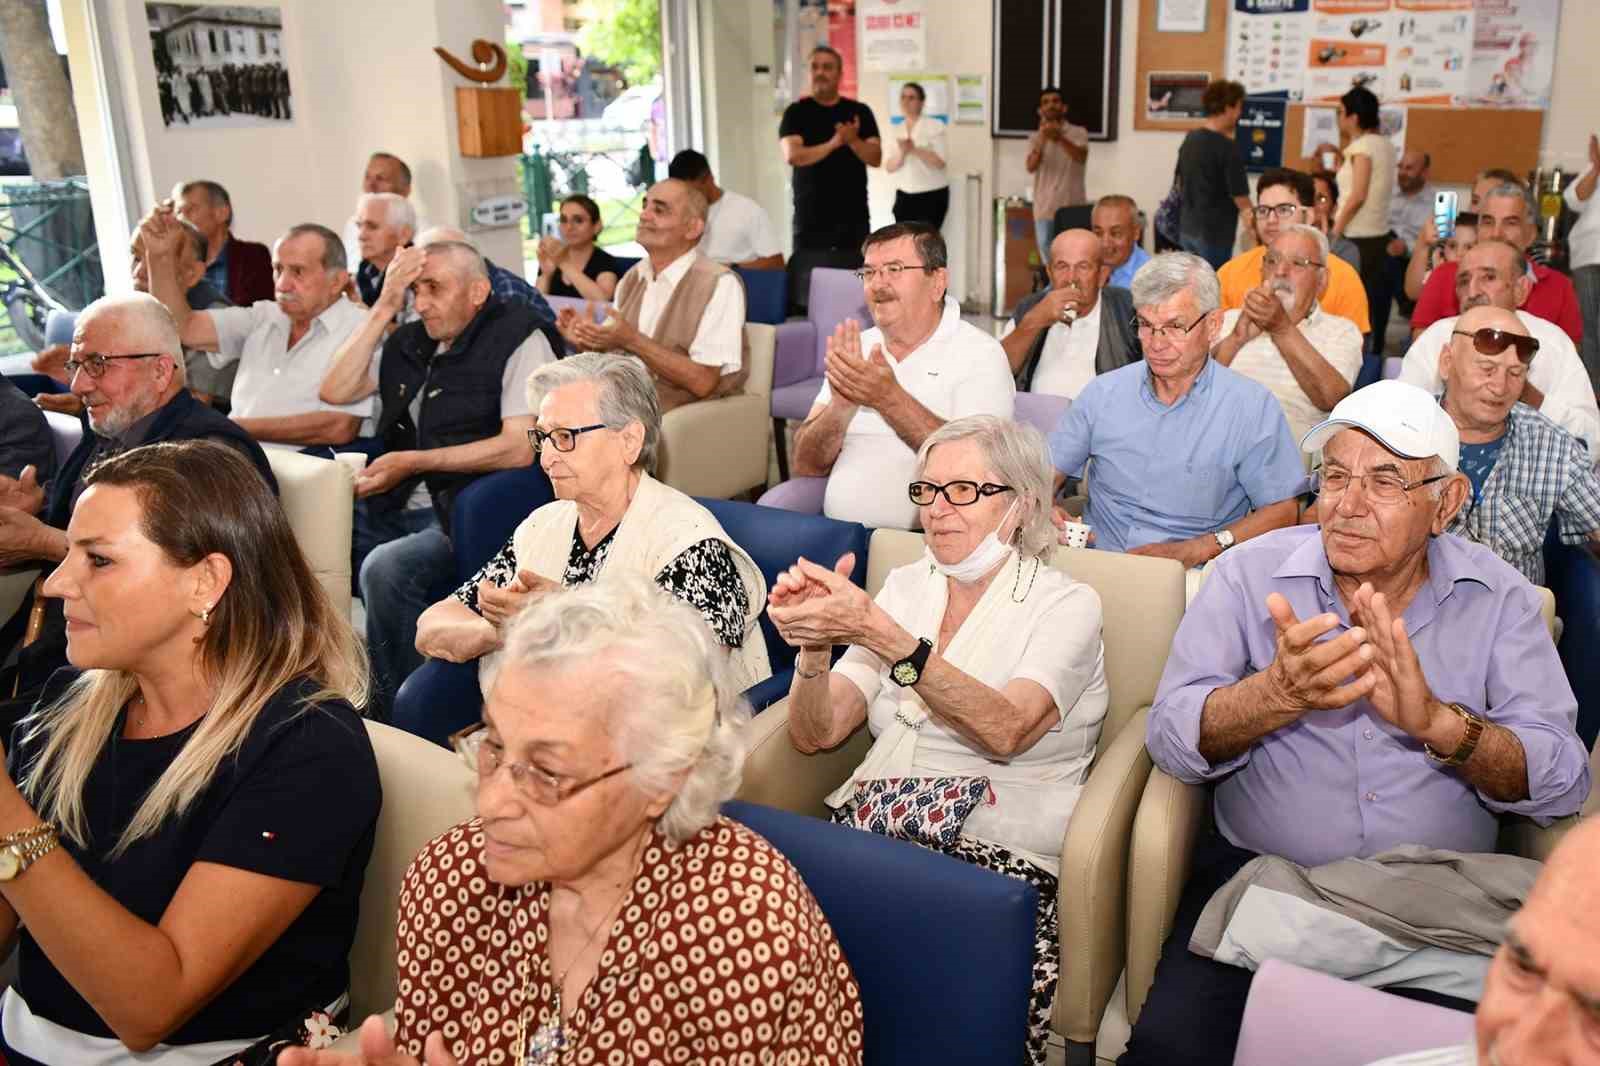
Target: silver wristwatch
{"type": "Point", "coordinates": [1224, 539]}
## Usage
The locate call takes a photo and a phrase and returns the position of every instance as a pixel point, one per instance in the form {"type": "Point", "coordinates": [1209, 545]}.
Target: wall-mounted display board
{"type": "Point", "coordinates": [1073, 44]}
{"type": "Point", "coordinates": [1460, 143]}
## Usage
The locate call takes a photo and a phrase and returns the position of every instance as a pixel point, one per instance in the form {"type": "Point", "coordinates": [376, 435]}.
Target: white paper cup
{"type": "Point", "coordinates": [1076, 535]}
{"type": "Point", "coordinates": [356, 461]}
{"type": "Point", "coordinates": [1329, 160]}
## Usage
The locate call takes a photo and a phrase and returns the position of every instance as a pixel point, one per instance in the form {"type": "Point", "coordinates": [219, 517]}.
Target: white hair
{"type": "Point", "coordinates": [1017, 454]}
{"type": "Point", "coordinates": [627, 394]}
{"type": "Point", "coordinates": [1508, 189]}
{"type": "Point", "coordinates": [1171, 273]}
{"type": "Point", "coordinates": [142, 315]}
{"type": "Point", "coordinates": [1300, 229]}
{"type": "Point", "coordinates": [397, 209]}
{"type": "Point", "coordinates": [442, 235]}
{"type": "Point", "coordinates": [679, 721]}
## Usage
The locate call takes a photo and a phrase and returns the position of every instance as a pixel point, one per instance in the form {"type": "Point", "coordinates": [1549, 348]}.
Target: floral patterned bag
{"type": "Point", "coordinates": [317, 1029]}
{"type": "Point", "coordinates": [924, 810]}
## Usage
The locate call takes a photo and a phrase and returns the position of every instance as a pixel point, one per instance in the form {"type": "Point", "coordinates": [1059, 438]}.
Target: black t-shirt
{"type": "Point", "coordinates": [830, 196]}
{"type": "Point", "coordinates": [299, 802]}
{"type": "Point", "coordinates": [1212, 172]}
{"type": "Point", "coordinates": [600, 262]}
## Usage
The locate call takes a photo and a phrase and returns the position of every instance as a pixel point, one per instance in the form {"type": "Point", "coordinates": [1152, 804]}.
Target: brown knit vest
{"type": "Point", "coordinates": [679, 321]}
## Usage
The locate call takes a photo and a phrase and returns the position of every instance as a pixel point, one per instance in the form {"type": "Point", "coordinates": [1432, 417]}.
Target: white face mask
{"type": "Point", "coordinates": [989, 554]}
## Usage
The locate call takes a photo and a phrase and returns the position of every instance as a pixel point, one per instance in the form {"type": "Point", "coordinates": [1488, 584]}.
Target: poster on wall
{"type": "Point", "coordinates": [1432, 46]}
{"type": "Point", "coordinates": [1267, 46]}
{"type": "Point", "coordinates": [1513, 53]}
{"type": "Point", "coordinates": [1174, 94]}
{"type": "Point", "coordinates": [972, 99]}
{"type": "Point", "coordinates": [893, 36]}
{"type": "Point", "coordinates": [842, 39]}
{"type": "Point", "coordinates": [219, 65]}
{"type": "Point", "coordinates": [1260, 132]}
{"type": "Point", "coordinates": [1349, 48]}
{"type": "Point", "coordinates": [935, 87]}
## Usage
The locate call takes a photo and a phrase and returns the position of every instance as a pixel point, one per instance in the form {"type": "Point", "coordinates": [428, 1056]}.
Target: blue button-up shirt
{"type": "Point", "coordinates": [1344, 783]}
{"type": "Point", "coordinates": [1170, 473]}
{"type": "Point", "coordinates": [1122, 277]}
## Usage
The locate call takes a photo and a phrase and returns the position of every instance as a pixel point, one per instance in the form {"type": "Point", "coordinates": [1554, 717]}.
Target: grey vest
{"type": "Point", "coordinates": [1118, 346]}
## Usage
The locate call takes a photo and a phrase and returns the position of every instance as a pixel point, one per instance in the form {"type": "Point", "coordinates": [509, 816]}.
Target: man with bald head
{"type": "Point", "coordinates": [506, 285]}
{"type": "Point", "coordinates": [126, 365]}
{"type": "Point", "coordinates": [1059, 339]}
{"type": "Point", "coordinates": [681, 313]}
{"type": "Point", "coordinates": [1525, 469]}
{"type": "Point", "coordinates": [1492, 274]}
{"type": "Point", "coordinates": [1283, 338]}
{"type": "Point", "coordinates": [452, 388]}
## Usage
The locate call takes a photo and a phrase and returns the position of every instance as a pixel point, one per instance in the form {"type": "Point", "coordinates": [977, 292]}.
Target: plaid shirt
{"type": "Point", "coordinates": [513, 288]}
{"type": "Point", "coordinates": [1542, 471]}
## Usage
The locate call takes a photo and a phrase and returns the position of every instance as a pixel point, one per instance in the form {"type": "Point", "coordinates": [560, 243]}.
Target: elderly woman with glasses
{"type": "Point", "coordinates": [978, 668]}
{"type": "Point", "coordinates": [598, 908]}
{"type": "Point", "coordinates": [597, 435]}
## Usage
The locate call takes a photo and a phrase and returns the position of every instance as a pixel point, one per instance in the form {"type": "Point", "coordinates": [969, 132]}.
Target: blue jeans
{"type": "Point", "coordinates": [1043, 232]}
{"type": "Point", "coordinates": [1215, 254]}
{"type": "Point", "coordinates": [409, 566]}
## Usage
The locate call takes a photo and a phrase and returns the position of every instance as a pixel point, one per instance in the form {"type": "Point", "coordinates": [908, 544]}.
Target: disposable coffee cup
{"type": "Point", "coordinates": [1076, 535]}
{"type": "Point", "coordinates": [1329, 160]}
{"type": "Point", "coordinates": [355, 461]}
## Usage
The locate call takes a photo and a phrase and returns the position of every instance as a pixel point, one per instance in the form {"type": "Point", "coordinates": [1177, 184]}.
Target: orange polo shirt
{"type": "Point", "coordinates": [1345, 296]}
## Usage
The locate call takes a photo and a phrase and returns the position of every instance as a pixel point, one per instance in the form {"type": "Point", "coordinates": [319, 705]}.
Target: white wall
{"type": "Point", "coordinates": [364, 78]}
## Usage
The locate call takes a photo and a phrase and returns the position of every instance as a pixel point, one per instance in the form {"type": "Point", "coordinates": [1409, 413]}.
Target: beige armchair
{"type": "Point", "coordinates": [718, 448]}
{"type": "Point", "coordinates": [1143, 601]}
{"type": "Point", "coordinates": [319, 497]}
{"type": "Point", "coordinates": [1168, 824]}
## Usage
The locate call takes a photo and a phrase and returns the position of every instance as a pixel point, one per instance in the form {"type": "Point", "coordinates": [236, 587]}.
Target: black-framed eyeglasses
{"type": "Point", "coordinates": [959, 493]}
{"type": "Point", "coordinates": [888, 270]}
{"type": "Point", "coordinates": [1385, 486]}
{"type": "Point", "coordinates": [95, 364]}
{"type": "Point", "coordinates": [1272, 261]}
{"type": "Point", "coordinates": [561, 438]}
{"type": "Point", "coordinates": [1487, 341]}
{"type": "Point", "coordinates": [1169, 332]}
{"type": "Point", "coordinates": [485, 756]}
{"type": "Point", "coordinates": [1266, 211]}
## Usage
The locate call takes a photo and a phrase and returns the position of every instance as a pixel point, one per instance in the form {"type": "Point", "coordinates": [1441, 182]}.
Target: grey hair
{"type": "Point", "coordinates": [332, 244]}
{"type": "Point", "coordinates": [466, 259]}
{"type": "Point", "coordinates": [1511, 188]}
{"type": "Point", "coordinates": [627, 394]}
{"type": "Point", "coordinates": [1300, 229]}
{"type": "Point", "coordinates": [679, 722]}
{"type": "Point", "coordinates": [1017, 454]}
{"type": "Point", "coordinates": [397, 209]}
{"type": "Point", "coordinates": [441, 235]}
{"type": "Point", "coordinates": [1171, 273]}
{"type": "Point", "coordinates": [695, 201]}
{"type": "Point", "coordinates": [145, 317]}
{"type": "Point", "coordinates": [197, 240]}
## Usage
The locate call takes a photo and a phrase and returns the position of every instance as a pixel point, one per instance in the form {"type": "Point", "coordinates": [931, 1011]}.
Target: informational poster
{"type": "Point", "coordinates": [1321, 127]}
{"type": "Point", "coordinates": [935, 86]}
{"type": "Point", "coordinates": [842, 39]}
{"type": "Point", "coordinates": [972, 99]}
{"type": "Point", "coordinates": [1260, 133]}
{"type": "Point", "coordinates": [1392, 124]}
{"type": "Point", "coordinates": [1432, 45]}
{"type": "Point", "coordinates": [893, 34]}
{"type": "Point", "coordinates": [1267, 46]}
{"type": "Point", "coordinates": [1513, 53]}
{"type": "Point", "coordinates": [1181, 16]}
{"type": "Point", "coordinates": [1349, 48]}
{"type": "Point", "coordinates": [1176, 94]}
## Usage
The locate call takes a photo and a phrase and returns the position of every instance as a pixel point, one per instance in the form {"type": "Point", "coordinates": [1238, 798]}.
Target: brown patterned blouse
{"type": "Point", "coordinates": [719, 955]}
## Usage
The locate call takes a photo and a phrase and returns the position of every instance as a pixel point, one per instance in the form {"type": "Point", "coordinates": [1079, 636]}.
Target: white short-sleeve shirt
{"type": "Point", "coordinates": [959, 371]}
{"type": "Point", "coordinates": [1051, 638]}
{"type": "Point", "coordinates": [719, 341]}
{"type": "Point", "coordinates": [915, 176]}
{"type": "Point", "coordinates": [1067, 362]}
{"type": "Point", "coordinates": [1556, 370]}
{"type": "Point", "coordinates": [738, 230]}
{"type": "Point", "coordinates": [1335, 338]}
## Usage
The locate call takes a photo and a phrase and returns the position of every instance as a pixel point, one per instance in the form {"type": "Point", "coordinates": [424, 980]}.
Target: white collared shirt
{"type": "Point", "coordinates": [719, 340]}
{"type": "Point", "coordinates": [274, 380]}
{"type": "Point", "coordinates": [959, 371]}
{"type": "Point", "coordinates": [1067, 362]}
{"type": "Point", "coordinates": [737, 231]}
{"type": "Point", "coordinates": [1583, 242]}
{"type": "Point", "coordinates": [914, 175]}
{"type": "Point", "coordinates": [1335, 338]}
{"type": "Point", "coordinates": [1556, 371]}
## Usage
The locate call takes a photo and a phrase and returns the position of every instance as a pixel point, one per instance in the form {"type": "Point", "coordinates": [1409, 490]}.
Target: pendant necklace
{"type": "Point", "coordinates": [545, 1046]}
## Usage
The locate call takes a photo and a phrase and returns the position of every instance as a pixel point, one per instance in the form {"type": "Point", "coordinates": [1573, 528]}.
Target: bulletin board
{"type": "Point", "coordinates": [1165, 53]}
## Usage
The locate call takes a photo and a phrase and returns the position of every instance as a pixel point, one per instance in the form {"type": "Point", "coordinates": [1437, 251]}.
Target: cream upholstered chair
{"type": "Point", "coordinates": [319, 497]}
{"type": "Point", "coordinates": [1168, 824]}
{"type": "Point", "coordinates": [718, 448]}
{"type": "Point", "coordinates": [1142, 599]}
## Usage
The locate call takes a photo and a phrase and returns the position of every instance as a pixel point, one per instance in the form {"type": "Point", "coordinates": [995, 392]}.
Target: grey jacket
{"type": "Point", "coordinates": [25, 437]}
{"type": "Point", "coordinates": [1118, 346]}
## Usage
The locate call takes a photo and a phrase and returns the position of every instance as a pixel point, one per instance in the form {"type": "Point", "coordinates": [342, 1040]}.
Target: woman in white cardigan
{"type": "Point", "coordinates": [978, 661]}
{"type": "Point", "coordinates": [597, 435]}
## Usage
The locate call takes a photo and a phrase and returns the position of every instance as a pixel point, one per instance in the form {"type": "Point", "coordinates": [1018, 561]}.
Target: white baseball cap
{"type": "Point", "coordinates": [1403, 418]}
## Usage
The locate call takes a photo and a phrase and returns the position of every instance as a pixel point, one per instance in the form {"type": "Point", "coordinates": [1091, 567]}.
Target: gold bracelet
{"type": "Point", "coordinates": [1469, 739]}
{"type": "Point", "coordinates": [30, 833]}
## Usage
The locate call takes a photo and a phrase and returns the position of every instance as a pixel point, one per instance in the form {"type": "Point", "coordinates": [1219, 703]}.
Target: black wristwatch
{"type": "Point", "coordinates": [908, 671]}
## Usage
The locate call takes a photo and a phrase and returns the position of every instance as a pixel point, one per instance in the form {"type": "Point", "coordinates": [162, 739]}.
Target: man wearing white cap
{"type": "Point", "coordinates": [1351, 687]}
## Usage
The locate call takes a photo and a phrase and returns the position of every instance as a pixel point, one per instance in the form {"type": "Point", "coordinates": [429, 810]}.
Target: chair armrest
{"type": "Point", "coordinates": [777, 774]}
{"type": "Point", "coordinates": [1093, 885]}
{"type": "Point", "coordinates": [801, 494]}
{"type": "Point", "coordinates": [795, 357]}
{"type": "Point", "coordinates": [716, 448]}
{"type": "Point", "coordinates": [1165, 831]}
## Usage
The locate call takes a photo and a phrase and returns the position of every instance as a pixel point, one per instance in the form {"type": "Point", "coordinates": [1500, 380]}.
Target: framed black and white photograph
{"type": "Point", "coordinates": [219, 65]}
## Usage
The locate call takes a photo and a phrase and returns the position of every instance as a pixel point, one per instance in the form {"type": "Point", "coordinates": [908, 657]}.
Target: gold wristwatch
{"type": "Point", "coordinates": [20, 850]}
{"type": "Point", "coordinates": [1469, 740]}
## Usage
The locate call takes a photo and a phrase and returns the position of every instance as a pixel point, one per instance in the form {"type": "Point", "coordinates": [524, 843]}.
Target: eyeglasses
{"type": "Point", "coordinates": [561, 438]}
{"type": "Point", "coordinates": [1385, 486]}
{"type": "Point", "coordinates": [959, 493]}
{"type": "Point", "coordinates": [888, 270]}
{"type": "Point", "coordinates": [1266, 211]}
{"type": "Point", "coordinates": [95, 364]}
{"type": "Point", "coordinates": [1169, 332]}
{"type": "Point", "coordinates": [1489, 342]}
{"type": "Point", "coordinates": [485, 756]}
{"type": "Point", "coordinates": [1272, 261]}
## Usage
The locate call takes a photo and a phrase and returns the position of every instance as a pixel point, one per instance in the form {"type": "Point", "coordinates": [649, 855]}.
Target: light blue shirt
{"type": "Point", "coordinates": [1170, 473]}
{"type": "Point", "coordinates": [1122, 277]}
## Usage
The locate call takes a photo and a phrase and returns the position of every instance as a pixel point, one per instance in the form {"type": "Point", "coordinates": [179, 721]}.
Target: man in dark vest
{"type": "Point", "coordinates": [453, 406]}
{"type": "Point", "coordinates": [126, 364]}
{"type": "Point", "coordinates": [1059, 339]}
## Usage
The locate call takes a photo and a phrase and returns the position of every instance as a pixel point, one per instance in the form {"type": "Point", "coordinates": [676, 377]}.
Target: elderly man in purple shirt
{"type": "Point", "coordinates": [1351, 687]}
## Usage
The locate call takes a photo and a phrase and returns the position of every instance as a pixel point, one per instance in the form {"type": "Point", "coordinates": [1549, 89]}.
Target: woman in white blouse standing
{"type": "Point", "coordinates": [916, 159]}
{"type": "Point", "coordinates": [1366, 185]}
{"type": "Point", "coordinates": [978, 668]}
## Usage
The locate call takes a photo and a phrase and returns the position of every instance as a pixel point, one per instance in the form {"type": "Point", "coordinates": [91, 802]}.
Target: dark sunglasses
{"type": "Point", "coordinates": [1494, 341]}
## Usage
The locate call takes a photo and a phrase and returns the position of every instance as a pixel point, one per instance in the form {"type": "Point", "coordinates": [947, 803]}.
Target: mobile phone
{"type": "Point", "coordinates": [1444, 214]}
{"type": "Point", "coordinates": [550, 224]}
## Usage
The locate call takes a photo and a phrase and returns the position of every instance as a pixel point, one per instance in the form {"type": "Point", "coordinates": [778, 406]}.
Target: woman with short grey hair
{"type": "Point", "coordinates": [978, 669]}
